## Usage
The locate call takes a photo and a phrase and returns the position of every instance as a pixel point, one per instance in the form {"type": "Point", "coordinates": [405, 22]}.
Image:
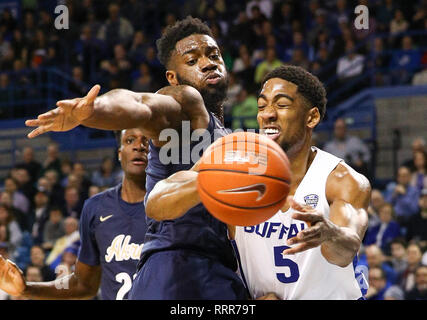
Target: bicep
{"type": "Point", "coordinates": [348, 193]}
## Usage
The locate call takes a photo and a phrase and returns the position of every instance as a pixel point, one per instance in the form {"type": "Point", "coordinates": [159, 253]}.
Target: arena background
{"type": "Point", "coordinates": [376, 79]}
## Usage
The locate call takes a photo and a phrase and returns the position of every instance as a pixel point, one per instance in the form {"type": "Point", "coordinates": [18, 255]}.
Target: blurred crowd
{"type": "Point", "coordinates": [394, 249]}
{"type": "Point", "coordinates": [40, 208]}
{"type": "Point", "coordinates": [113, 44]}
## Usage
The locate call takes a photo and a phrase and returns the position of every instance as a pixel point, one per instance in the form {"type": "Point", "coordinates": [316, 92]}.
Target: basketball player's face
{"type": "Point", "coordinates": [197, 61]}
{"type": "Point", "coordinates": [133, 152]}
{"type": "Point", "coordinates": [282, 115]}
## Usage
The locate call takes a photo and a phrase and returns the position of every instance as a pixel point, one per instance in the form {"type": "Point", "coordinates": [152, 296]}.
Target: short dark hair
{"type": "Point", "coordinates": [309, 86]}
{"type": "Point", "coordinates": [180, 30]}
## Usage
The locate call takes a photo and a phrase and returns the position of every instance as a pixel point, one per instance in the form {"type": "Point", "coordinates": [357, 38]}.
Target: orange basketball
{"type": "Point", "coordinates": [244, 178]}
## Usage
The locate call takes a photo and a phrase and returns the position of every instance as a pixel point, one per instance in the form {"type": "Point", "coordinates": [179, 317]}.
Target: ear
{"type": "Point", "coordinates": [313, 118]}
{"type": "Point", "coordinates": [172, 78]}
{"type": "Point", "coordinates": [119, 154]}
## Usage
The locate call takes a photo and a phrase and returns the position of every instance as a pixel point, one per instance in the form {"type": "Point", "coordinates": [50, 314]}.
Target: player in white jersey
{"type": "Point", "coordinates": [305, 251]}
{"type": "Point", "coordinates": [303, 275]}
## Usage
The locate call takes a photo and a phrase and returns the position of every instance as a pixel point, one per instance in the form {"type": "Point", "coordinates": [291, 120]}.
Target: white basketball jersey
{"type": "Point", "coordinates": [304, 275]}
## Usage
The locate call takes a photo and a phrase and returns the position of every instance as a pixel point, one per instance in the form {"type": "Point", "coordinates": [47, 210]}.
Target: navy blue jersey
{"type": "Point", "coordinates": [112, 235]}
{"type": "Point", "coordinates": [197, 230]}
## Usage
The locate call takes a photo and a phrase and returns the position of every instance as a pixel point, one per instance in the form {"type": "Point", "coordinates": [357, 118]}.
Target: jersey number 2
{"type": "Point", "coordinates": [124, 278]}
{"type": "Point", "coordinates": [280, 261]}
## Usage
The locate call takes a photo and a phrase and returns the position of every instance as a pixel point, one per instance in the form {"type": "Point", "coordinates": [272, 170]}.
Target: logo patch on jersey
{"type": "Point", "coordinates": [122, 249]}
{"type": "Point", "coordinates": [258, 187]}
{"type": "Point", "coordinates": [311, 200]}
{"type": "Point", "coordinates": [102, 219]}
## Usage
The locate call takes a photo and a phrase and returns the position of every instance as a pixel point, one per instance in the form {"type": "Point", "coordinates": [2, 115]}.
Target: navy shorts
{"type": "Point", "coordinates": [179, 274]}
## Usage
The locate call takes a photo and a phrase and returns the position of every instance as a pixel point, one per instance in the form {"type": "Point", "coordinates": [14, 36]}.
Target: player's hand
{"type": "Point", "coordinates": [319, 228]}
{"type": "Point", "coordinates": [11, 278]}
{"type": "Point", "coordinates": [68, 114]}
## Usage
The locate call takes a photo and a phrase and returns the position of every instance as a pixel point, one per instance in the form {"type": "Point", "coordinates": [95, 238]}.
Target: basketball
{"type": "Point", "coordinates": [244, 178]}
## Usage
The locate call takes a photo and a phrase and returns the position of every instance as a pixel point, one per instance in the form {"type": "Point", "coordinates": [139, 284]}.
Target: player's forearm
{"type": "Point", "coordinates": [67, 287]}
{"type": "Point", "coordinates": [342, 246]}
{"type": "Point", "coordinates": [173, 197]}
{"type": "Point", "coordinates": [119, 109]}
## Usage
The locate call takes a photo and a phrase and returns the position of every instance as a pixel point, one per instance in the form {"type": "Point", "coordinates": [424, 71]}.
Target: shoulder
{"type": "Point", "coordinates": [183, 94]}
{"type": "Point", "coordinates": [346, 184]}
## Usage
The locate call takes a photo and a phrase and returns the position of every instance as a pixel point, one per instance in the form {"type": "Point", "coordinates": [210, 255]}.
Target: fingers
{"type": "Point", "coordinates": [302, 247]}
{"type": "Point", "coordinates": [93, 93]}
{"type": "Point", "coordinates": [38, 131]}
{"type": "Point", "coordinates": [68, 104]}
{"type": "Point", "coordinates": [307, 217]}
{"type": "Point", "coordinates": [50, 115]}
{"type": "Point", "coordinates": [306, 235]}
{"type": "Point", "coordinates": [300, 207]}
{"type": "Point", "coordinates": [37, 122]}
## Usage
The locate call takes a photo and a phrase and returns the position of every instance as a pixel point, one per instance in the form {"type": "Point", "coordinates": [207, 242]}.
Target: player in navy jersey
{"type": "Point", "coordinates": [190, 256]}
{"type": "Point", "coordinates": [112, 230]}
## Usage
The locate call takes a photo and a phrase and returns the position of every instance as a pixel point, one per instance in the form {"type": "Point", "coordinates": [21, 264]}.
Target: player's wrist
{"type": "Point", "coordinates": [333, 232]}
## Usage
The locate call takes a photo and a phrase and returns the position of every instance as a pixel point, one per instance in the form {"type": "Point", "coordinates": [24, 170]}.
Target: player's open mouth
{"type": "Point", "coordinates": [272, 132]}
{"type": "Point", "coordinates": [213, 78]}
{"type": "Point", "coordinates": [139, 161]}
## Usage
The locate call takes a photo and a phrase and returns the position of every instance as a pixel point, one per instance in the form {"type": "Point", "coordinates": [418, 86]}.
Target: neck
{"type": "Point", "coordinates": [300, 160]}
{"type": "Point", "coordinates": [218, 111]}
{"type": "Point", "coordinates": [220, 115]}
{"type": "Point", "coordinates": [133, 189]}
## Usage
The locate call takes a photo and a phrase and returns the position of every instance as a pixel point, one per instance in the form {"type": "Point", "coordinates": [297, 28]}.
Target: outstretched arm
{"type": "Point", "coordinates": [82, 284]}
{"type": "Point", "coordinates": [121, 109]}
{"type": "Point", "coordinates": [340, 235]}
{"type": "Point", "coordinates": [172, 197]}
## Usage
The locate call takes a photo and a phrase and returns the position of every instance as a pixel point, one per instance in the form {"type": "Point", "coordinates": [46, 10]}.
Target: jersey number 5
{"type": "Point", "coordinates": [280, 261]}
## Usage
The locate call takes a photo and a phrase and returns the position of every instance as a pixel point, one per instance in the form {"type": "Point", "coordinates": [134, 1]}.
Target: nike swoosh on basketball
{"type": "Point", "coordinates": [102, 219]}
{"type": "Point", "coordinates": [258, 187]}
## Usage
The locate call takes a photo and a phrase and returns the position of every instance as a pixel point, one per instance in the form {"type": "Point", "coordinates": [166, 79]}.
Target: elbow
{"type": "Point", "coordinates": [341, 258]}
{"type": "Point", "coordinates": [344, 262]}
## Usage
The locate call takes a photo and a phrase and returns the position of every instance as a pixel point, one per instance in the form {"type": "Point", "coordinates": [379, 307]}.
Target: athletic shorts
{"type": "Point", "coordinates": [180, 274]}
